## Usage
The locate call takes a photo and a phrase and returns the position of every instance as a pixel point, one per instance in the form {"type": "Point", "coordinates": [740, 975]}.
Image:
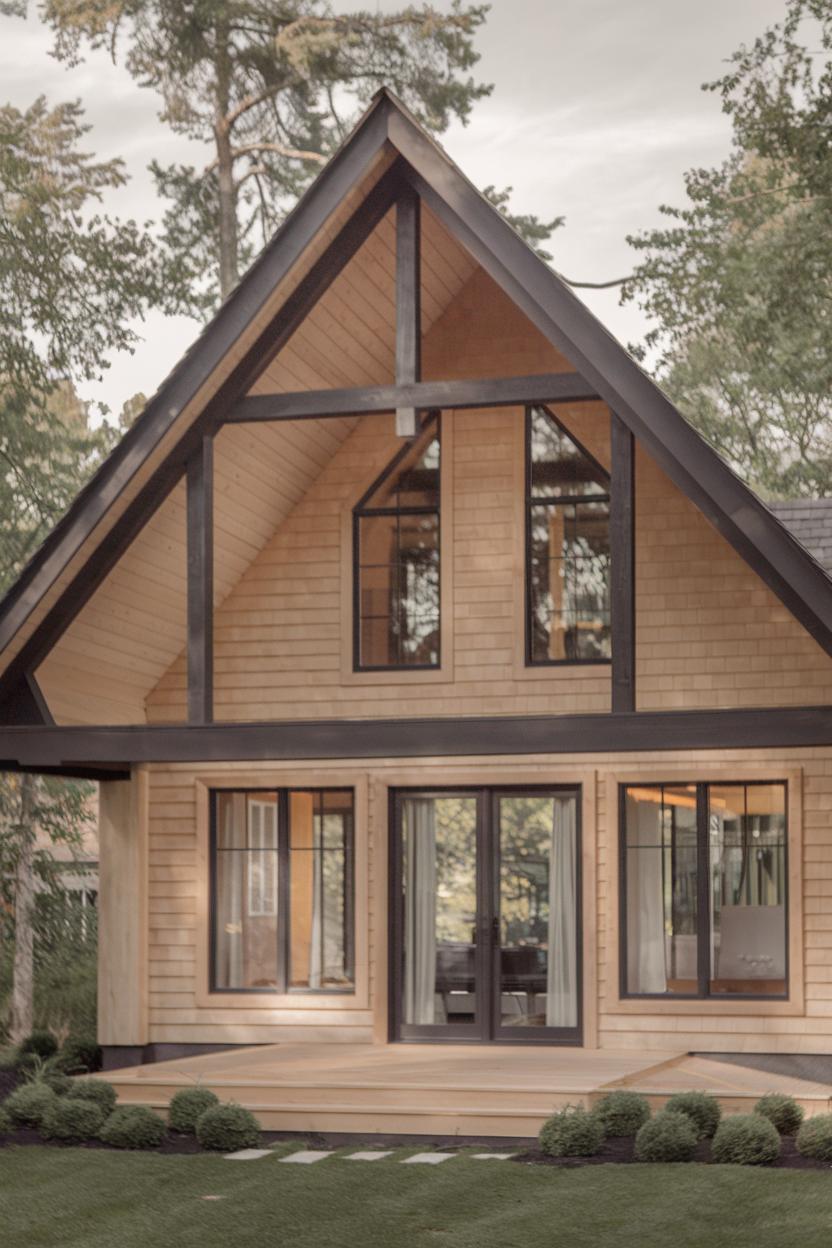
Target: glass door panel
{"type": "Point", "coordinates": [439, 880]}
{"type": "Point", "coordinates": [537, 904]}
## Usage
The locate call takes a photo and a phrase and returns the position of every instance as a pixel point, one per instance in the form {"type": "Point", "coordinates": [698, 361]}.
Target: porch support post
{"type": "Point", "coordinates": [622, 569]}
{"type": "Point", "coordinates": [408, 305]}
{"type": "Point", "coordinates": [200, 512]}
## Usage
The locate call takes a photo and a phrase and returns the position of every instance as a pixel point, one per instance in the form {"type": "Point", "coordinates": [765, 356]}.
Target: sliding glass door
{"type": "Point", "coordinates": [486, 915]}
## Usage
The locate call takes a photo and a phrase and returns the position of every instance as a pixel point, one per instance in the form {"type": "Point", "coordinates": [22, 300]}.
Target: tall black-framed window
{"type": "Point", "coordinates": [396, 561]}
{"type": "Point", "coordinates": [282, 890]}
{"type": "Point", "coordinates": [567, 547]}
{"type": "Point", "coordinates": [703, 890]}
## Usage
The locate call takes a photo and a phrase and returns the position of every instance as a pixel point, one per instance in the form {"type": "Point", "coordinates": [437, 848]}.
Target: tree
{"type": "Point", "coordinates": [72, 282]}
{"type": "Point", "coordinates": [738, 283]}
{"type": "Point", "coordinates": [273, 86]}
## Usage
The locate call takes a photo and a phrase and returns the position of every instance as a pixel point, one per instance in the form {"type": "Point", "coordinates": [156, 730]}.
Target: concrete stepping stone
{"type": "Point", "coordinates": [426, 1159]}
{"type": "Point", "coordinates": [306, 1156]}
{"type": "Point", "coordinates": [248, 1154]}
{"type": "Point", "coordinates": [492, 1156]}
{"type": "Point", "coordinates": [368, 1156]}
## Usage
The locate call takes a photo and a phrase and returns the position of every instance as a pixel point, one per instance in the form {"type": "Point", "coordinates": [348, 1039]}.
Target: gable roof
{"type": "Point", "coordinates": [809, 520]}
{"type": "Point", "coordinates": [387, 150]}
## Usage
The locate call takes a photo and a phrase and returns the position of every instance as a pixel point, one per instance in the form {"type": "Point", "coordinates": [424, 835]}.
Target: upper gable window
{"type": "Point", "coordinates": [396, 561]}
{"type": "Point", "coordinates": [567, 547]}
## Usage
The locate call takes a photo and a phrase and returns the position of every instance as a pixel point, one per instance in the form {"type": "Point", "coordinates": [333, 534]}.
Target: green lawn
{"type": "Point", "coordinates": [95, 1199]}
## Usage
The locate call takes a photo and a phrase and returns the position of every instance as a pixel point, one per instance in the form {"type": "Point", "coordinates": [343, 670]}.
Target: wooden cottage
{"type": "Point", "coordinates": [462, 721]}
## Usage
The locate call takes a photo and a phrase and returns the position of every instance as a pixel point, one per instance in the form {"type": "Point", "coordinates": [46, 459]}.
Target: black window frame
{"type": "Point", "coordinates": [703, 902]}
{"type": "Point", "coordinates": [533, 500]}
{"type": "Point", "coordinates": [360, 511]}
{"type": "Point", "coordinates": [284, 884]}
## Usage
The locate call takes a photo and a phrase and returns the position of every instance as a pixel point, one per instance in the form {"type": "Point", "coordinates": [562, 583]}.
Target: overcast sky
{"type": "Point", "coordinates": [596, 113]}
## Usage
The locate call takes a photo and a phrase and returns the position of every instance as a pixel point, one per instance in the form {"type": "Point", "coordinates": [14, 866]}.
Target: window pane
{"type": "Point", "coordinates": [558, 466]}
{"type": "Point", "coordinates": [320, 848]}
{"type": "Point", "coordinates": [414, 482]}
{"type": "Point", "coordinates": [398, 590]}
{"type": "Point", "coordinates": [661, 889]}
{"type": "Point", "coordinates": [246, 891]}
{"type": "Point", "coordinates": [747, 842]}
{"type": "Point", "coordinates": [569, 581]}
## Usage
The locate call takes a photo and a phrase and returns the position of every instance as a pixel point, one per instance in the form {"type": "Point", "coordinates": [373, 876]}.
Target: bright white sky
{"type": "Point", "coordinates": [596, 113]}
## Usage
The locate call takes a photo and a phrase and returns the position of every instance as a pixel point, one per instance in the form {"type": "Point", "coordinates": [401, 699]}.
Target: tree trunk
{"type": "Point", "coordinates": [227, 213]}
{"type": "Point", "coordinates": [23, 967]}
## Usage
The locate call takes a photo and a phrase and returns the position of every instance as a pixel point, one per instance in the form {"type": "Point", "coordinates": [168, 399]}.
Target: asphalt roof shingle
{"type": "Point", "coordinates": [810, 521]}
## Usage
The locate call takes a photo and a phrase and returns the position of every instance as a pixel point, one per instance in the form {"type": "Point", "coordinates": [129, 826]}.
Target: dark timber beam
{"type": "Point", "coordinates": [26, 704]}
{"type": "Point", "coordinates": [408, 306]}
{"type": "Point", "coordinates": [40, 748]}
{"type": "Point", "coordinates": [486, 392]}
{"type": "Point", "coordinates": [200, 511]}
{"type": "Point", "coordinates": [622, 565]}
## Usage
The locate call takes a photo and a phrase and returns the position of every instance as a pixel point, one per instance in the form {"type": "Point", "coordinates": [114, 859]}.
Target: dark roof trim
{"type": "Point", "coordinates": [757, 728]}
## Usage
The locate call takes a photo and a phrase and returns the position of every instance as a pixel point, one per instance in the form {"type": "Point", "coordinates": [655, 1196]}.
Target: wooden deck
{"type": "Point", "coordinates": [442, 1089]}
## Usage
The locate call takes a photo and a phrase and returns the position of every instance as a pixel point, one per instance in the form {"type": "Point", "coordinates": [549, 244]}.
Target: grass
{"type": "Point", "coordinates": [95, 1199]}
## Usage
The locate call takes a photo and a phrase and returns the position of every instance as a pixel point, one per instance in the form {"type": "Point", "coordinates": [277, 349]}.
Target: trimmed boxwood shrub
{"type": "Point", "coordinates": [186, 1107]}
{"type": "Point", "coordinates": [72, 1119]}
{"type": "Point", "coordinates": [746, 1140]}
{"type": "Point", "coordinates": [703, 1111]}
{"type": "Point", "coordinates": [783, 1112]}
{"type": "Point", "coordinates": [572, 1132]}
{"type": "Point", "coordinates": [41, 1042]}
{"type": "Point", "coordinates": [814, 1139]}
{"type": "Point", "coordinates": [666, 1137]}
{"type": "Point", "coordinates": [622, 1112]}
{"type": "Point", "coordinates": [79, 1054]}
{"type": "Point", "coordinates": [227, 1128]}
{"type": "Point", "coordinates": [27, 1104]}
{"type": "Point", "coordinates": [97, 1090]}
{"type": "Point", "coordinates": [6, 1124]}
{"type": "Point", "coordinates": [133, 1126]}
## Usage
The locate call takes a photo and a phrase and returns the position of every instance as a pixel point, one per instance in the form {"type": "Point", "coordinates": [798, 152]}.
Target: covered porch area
{"type": "Point", "coordinates": [445, 1090]}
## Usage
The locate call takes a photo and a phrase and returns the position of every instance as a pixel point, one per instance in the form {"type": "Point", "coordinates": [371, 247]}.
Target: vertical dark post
{"type": "Point", "coordinates": [622, 566]}
{"type": "Point", "coordinates": [408, 304]}
{"type": "Point", "coordinates": [200, 480]}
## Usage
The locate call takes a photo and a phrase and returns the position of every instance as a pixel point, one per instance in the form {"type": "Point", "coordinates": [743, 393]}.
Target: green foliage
{"type": "Point", "coordinates": [28, 1103]}
{"type": "Point", "coordinates": [133, 1126]}
{"type": "Point", "coordinates": [528, 226]}
{"type": "Point", "coordinates": [36, 1070]}
{"type": "Point", "coordinates": [227, 1128]}
{"type": "Point", "coordinates": [703, 1110]}
{"type": "Point", "coordinates": [79, 1053]}
{"type": "Point", "coordinates": [736, 281]}
{"type": "Point", "coordinates": [98, 1091]}
{"type": "Point", "coordinates": [782, 1111]}
{"type": "Point", "coordinates": [746, 1140]}
{"type": "Point", "coordinates": [571, 1132]}
{"type": "Point", "coordinates": [72, 1119]}
{"type": "Point", "coordinates": [186, 1107]}
{"type": "Point", "coordinates": [6, 1124]}
{"type": "Point", "coordinates": [41, 1043]}
{"type": "Point", "coordinates": [666, 1137]}
{"type": "Point", "coordinates": [622, 1112]}
{"type": "Point", "coordinates": [814, 1139]}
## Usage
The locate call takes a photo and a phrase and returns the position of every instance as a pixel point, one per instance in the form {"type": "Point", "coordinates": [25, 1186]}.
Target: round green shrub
{"type": "Point", "coordinates": [72, 1119]}
{"type": "Point", "coordinates": [814, 1139]}
{"type": "Point", "coordinates": [622, 1113]}
{"type": "Point", "coordinates": [186, 1107]}
{"type": "Point", "coordinates": [27, 1104]}
{"type": "Point", "coordinates": [54, 1079]}
{"type": "Point", "coordinates": [572, 1132]}
{"type": "Point", "coordinates": [133, 1126]}
{"type": "Point", "coordinates": [6, 1124]}
{"type": "Point", "coordinates": [97, 1090]}
{"type": "Point", "coordinates": [666, 1137]}
{"type": "Point", "coordinates": [703, 1111]}
{"type": "Point", "coordinates": [783, 1112]}
{"type": "Point", "coordinates": [41, 1043]}
{"type": "Point", "coordinates": [80, 1053]}
{"type": "Point", "coordinates": [746, 1140]}
{"type": "Point", "coordinates": [227, 1128]}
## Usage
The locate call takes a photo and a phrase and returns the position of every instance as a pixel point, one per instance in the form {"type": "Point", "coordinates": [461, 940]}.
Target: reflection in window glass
{"type": "Point", "coordinates": [320, 835]}
{"type": "Point", "coordinates": [246, 889]}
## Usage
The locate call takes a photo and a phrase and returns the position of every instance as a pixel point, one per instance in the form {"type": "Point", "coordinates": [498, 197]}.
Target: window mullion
{"type": "Point", "coordinates": [283, 891]}
{"type": "Point", "coordinates": [703, 893]}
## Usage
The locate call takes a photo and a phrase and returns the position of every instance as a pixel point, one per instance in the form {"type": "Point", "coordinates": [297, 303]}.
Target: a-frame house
{"type": "Point", "coordinates": [442, 683]}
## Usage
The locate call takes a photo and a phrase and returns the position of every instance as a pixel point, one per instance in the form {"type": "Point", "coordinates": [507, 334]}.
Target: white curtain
{"type": "Point", "coordinates": [562, 969]}
{"type": "Point", "coordinates": [229, 953]}
{"type": "Point", "coordinates": [420, 911]}
{"type": "Point", "coordinates": [646, 952]}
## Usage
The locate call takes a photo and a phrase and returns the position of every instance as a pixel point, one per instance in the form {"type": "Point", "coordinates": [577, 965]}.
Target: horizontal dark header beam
{"type": "Point", "coordinates": [487, 392]}
{"type": "Point", "coordinates": [101, 747]}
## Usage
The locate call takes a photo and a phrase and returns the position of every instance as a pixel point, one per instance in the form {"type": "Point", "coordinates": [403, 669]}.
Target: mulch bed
{"type": "Point", "coordinates": [620, 1152]}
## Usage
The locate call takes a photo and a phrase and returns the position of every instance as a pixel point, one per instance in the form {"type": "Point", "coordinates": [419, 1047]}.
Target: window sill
{"type": "Point", "coordinates": [283, 1001]}
{"type": "Point", "coordinates": [708, 1006]}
